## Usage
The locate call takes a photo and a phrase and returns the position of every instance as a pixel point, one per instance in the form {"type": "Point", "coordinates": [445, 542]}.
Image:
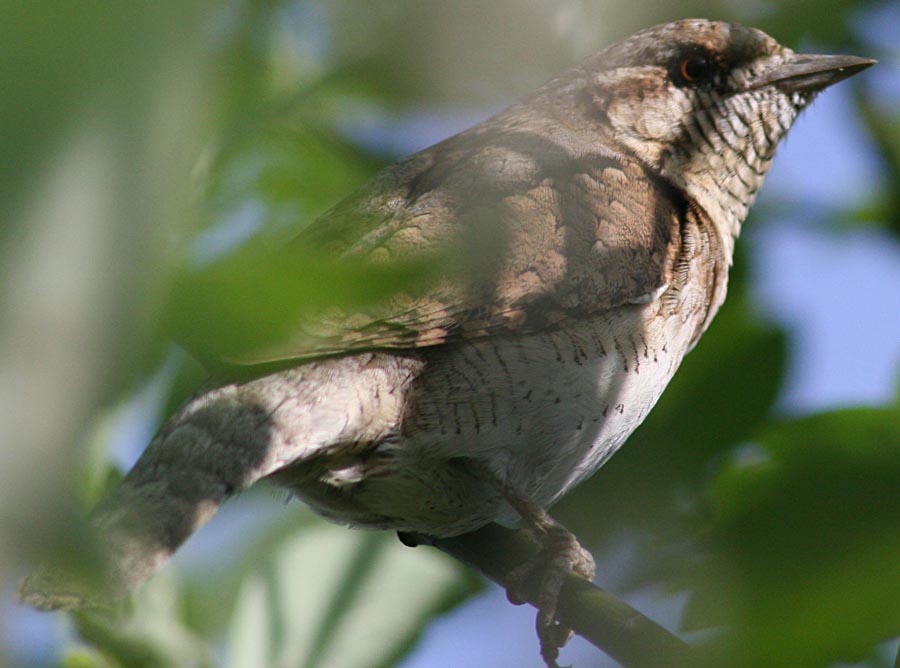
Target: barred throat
{"type": "Point", "coordinates": [728, 146]}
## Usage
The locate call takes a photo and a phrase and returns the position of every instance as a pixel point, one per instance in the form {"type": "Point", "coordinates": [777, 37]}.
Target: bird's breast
{"type": "Point", "coordinates": [544, 411]}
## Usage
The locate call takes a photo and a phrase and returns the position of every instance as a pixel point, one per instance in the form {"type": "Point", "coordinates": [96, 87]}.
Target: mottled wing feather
{"type": "Point", "coordinates": [525, 235]}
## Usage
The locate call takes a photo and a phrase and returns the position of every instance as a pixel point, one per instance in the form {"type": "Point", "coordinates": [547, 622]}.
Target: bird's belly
{"type": "Point", "coordinates": [540, 412]}
{"type": "Point", "coordinates": [543, 412]}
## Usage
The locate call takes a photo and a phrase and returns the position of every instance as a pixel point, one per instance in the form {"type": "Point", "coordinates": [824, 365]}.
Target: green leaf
{"type": "Point", "coordinates": [253, 300]}
{"type": "Point", "coordinates": [249, 640]}
{"type": "Point", "coordinates": [332, 597]}
{"type": "Point", "coordinates": [822, 21]}
{"type": "Point", "coordinates": [292, 164]}
{"type": "Point", "coordinates": [806, 544]}
{"type": "Point", "coordinates": [147, 631]}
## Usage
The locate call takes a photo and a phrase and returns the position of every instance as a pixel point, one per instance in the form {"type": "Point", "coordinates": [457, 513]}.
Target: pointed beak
{"type": "Point", "coordinates": [809, 73]}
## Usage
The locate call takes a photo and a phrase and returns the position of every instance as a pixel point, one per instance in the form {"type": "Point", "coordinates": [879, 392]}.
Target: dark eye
{"type": "Point", "coordinates": [695, 68]}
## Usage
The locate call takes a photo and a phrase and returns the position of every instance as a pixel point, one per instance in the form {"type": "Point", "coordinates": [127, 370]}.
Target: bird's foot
{"type": "Point", "coordinates": [560, 554]}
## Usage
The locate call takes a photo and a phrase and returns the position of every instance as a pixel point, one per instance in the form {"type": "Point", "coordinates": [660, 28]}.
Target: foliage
{"type": "Point", "coordinates": [210, 123]}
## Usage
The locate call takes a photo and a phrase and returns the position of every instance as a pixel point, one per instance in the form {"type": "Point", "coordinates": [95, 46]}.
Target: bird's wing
{"type": "Point", "coordinates": [521, 235]}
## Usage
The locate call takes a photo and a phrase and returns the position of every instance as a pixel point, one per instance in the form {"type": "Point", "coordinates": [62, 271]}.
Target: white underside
{"type": "Point", "coordinates": [556, 409]}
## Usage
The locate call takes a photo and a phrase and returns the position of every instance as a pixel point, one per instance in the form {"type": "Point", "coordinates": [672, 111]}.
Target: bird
{"type": "Point", "coordinates": [579, 243]}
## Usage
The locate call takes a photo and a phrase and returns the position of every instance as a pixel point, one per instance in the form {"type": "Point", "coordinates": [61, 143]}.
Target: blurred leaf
{"type": "Point", "coordinates": [428, 52]}
{"type": "Point", "coordinates": [806, 545]}
{"type": "Point", "coordinates": [343, 599]}
{"type": "Point", "coordinates": [253, 300]}
{"type": "Point", "coordinates": [244, 296]}
{"type": "Point", "coordinates": [250, 640]}
{"type": "Point", "coordinates": [293, 169]}
{"type": "Point", "coordinates": [282, 165]}
{"type": "Point", "coordinates": [59, 58]}
{"type": "Point", "coordinates": [97, 474]}
{"type": "Point", "coordinates": [820, 21]}
{"type": "Point", "coordinates": [884, 130]}
{"type": "Point", "coordinates": [146, 632]}
{"type": "Point", "coordinates": [83, 657]}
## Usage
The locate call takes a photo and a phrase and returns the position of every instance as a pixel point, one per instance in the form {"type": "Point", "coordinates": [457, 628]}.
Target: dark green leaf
{"type": "Point", "coordinates": [806, 545]}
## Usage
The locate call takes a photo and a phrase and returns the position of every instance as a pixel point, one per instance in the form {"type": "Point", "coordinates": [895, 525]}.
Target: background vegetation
{"type": "Point", "coordinates": [143, 139]}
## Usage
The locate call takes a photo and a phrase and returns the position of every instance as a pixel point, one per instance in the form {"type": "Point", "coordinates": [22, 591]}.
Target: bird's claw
{"type": "Point", "coordinates": [560, 555]}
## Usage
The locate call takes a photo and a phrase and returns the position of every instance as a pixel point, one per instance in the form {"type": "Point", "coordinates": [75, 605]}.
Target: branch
{"type": "Point", "coordinates": [598, 616]}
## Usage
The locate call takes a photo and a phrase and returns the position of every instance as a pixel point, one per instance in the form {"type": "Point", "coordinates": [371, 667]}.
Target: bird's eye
{"type": "Point", "coordinates": [695, 68]}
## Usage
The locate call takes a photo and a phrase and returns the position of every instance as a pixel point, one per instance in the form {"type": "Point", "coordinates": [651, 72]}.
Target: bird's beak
{"type": "Point", "coordinates": [810, 73]}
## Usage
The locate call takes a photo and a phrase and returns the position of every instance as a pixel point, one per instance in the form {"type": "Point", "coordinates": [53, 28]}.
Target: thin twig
{"type": "Point", "coordinates": [598, 616]}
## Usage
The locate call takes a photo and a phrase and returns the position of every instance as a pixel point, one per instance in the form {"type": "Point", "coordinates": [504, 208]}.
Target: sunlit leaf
{"type": "Point", "coordinates": [332, 597]}
{"type": "Point", "coordinates": [250, 633]}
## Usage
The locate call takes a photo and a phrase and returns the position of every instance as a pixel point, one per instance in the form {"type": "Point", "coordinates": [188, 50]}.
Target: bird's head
{"type": "Point", "coordinates": [706, 103]}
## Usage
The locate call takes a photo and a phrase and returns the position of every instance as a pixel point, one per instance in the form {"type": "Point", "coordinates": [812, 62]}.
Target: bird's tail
{"type": "Point", "coordinates": [217, 444]}
{"type": "Point", "coordinates": [222, 441]}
